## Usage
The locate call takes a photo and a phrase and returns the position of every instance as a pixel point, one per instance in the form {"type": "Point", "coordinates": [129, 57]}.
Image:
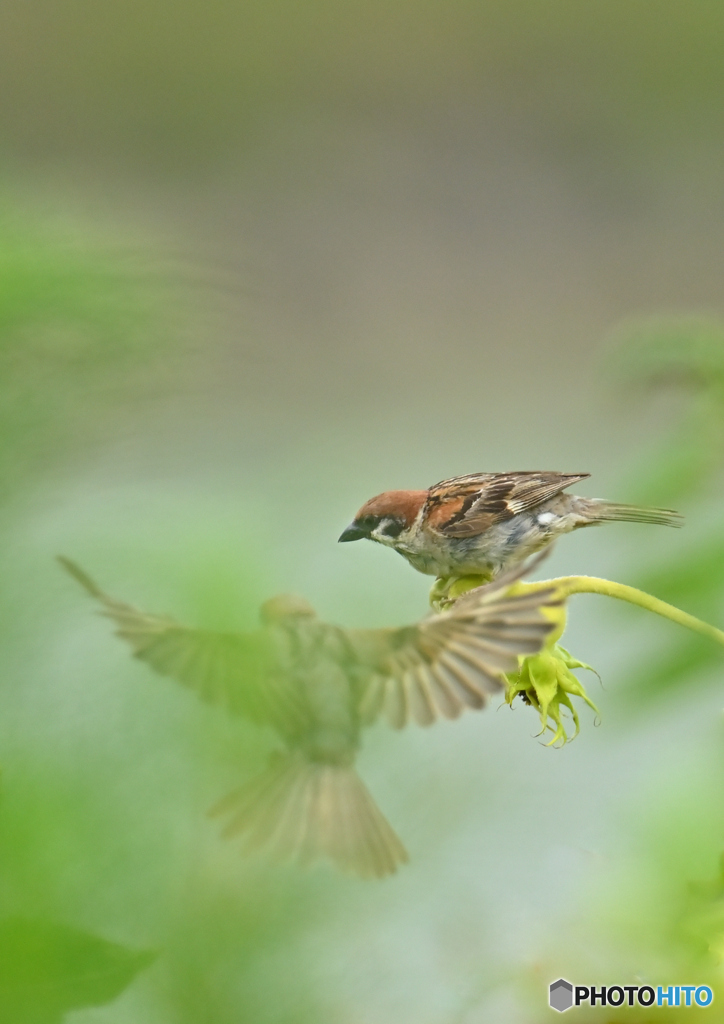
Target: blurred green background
{"type": "Point", "coordinates": [259, 261]}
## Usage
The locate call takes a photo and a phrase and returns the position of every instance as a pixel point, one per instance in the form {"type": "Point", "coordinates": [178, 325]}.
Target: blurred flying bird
{"type": "Point", "coordinates": [485, 523]}
{"type": "Point", "coordinates": [317, 685]}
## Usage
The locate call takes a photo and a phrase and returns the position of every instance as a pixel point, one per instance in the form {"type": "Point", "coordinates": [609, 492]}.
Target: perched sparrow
{"type": "Point", "coordinates": [485, 522]}
{"type": "Point", "coordinates": [317, 685]}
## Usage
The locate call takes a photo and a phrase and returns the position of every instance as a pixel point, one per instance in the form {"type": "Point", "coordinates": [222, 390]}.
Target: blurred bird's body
{"type": "Point", "coordinates": [317, 685]}
{"type": "Point", "coordinates": [485, 523]}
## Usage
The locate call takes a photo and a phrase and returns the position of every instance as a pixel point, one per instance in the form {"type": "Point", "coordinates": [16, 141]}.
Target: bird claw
{"type": "Point", "coordinates": [447, 589]}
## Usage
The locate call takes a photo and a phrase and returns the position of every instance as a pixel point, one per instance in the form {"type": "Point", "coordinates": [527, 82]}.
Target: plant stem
{"type": "Point", "coordinates": [567, 585]}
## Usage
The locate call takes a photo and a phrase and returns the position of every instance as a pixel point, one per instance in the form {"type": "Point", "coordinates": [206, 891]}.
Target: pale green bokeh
{"type": "Point", "coordinates": [257, 263]}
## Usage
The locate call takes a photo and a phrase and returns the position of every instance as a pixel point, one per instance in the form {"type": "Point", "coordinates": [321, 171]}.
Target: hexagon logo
{"type": "Point", "coordinates": [560, 995]}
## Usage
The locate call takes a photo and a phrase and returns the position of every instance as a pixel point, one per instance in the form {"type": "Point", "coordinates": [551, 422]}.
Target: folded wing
{"type": "Point", "coordinates": [470, 505]}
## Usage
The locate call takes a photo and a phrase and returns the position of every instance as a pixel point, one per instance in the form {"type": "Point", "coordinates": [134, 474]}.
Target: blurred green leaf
{"type": "Point", "coordinates": [686, 350]}
{"type": "Point", "coordinates": [79, 329]}
{"type": "Point", "coordinates": [686, 355]}
{"type": "Point", "coordinates": [653, 912]}
{"type": "Point", "coordinates": [694, 578]}
{"type": "Point", "coordinates": [670, 671]}
{"type": "Point", "coordinates": [47, 969]}
{"type": "Point", "coordinates": [50, 276]}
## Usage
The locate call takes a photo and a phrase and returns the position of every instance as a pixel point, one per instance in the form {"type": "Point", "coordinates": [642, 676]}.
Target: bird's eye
{"type": "Point", "coordinates": [392, 528]}
{"type": "Point", "coordinates": [368, 523]}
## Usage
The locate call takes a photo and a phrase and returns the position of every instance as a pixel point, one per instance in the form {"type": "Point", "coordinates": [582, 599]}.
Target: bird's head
{"type": "Point", "coordinates": [386, 517]}
{"type": "Point", "coordinates": [284, 607]}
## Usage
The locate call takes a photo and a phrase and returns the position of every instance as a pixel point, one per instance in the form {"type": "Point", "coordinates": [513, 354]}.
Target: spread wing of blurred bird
{"type": "Point", "coordinates": [317, 685]}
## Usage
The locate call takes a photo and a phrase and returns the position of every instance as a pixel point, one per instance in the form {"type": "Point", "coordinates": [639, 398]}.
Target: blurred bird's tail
{"type": "Point", "coordinates": [299, 810]}
{"type": "Point", "coordinates": [598, 511]}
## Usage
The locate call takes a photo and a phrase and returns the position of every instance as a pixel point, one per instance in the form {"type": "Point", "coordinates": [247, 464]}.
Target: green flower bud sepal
{"type": "Point", "coordinates": [546, 681]}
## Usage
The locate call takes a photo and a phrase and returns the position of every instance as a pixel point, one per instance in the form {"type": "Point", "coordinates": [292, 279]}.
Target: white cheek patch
{"type": "Point", "coordinates": [545, 518]}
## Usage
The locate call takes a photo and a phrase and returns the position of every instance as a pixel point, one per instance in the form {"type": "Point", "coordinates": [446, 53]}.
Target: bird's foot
{"type": "Point", "coordinates": [447, 589]}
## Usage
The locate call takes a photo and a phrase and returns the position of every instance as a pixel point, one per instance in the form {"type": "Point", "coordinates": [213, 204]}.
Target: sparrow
{"type": "Point", "coordinates": [317, 685]}
{"type": "Point", "coordinates": [484, 523]}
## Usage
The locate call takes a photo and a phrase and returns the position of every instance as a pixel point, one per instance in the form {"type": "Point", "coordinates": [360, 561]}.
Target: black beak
{"type": "Point", "coordinates": [353, 532]}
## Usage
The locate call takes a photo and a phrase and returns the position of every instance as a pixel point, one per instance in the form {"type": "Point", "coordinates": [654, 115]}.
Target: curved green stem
{"type": "Point", "coordinates": [568, 585]}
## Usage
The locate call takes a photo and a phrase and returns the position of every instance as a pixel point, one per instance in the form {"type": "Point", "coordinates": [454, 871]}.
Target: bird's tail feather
{"type": "Point", "coordinates": [299, 809]}
{"type": "Point", "coordinates": [607, 511]}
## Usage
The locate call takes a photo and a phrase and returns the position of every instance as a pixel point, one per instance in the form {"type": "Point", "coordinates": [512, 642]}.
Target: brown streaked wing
{"type": "Point", "coordinates": [467, 506]}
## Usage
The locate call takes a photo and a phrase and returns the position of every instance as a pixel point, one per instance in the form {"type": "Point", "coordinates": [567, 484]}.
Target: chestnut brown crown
{"type": "Point", "coordinates": [390, 513]}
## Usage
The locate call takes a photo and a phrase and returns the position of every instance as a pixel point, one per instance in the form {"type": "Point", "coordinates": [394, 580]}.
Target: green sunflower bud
{"type": "Point", "coordinates": [546, 681]}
